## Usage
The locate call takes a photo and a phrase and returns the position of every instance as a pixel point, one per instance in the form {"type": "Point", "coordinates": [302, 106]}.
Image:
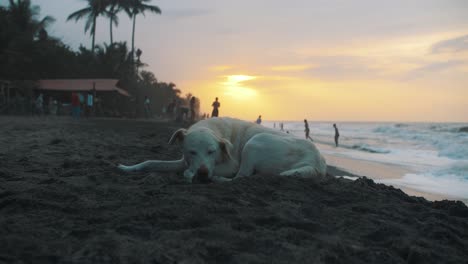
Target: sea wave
{"type": "Point", "coordinates": [463, 129]}
{"type": "Point", "coordinates": [370, 149]}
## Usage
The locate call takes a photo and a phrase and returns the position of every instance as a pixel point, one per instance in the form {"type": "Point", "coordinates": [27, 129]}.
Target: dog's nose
{"type": "Point", "coordinates": [202, 175]}
{"type": "Point", "coordinates": [203, 170]}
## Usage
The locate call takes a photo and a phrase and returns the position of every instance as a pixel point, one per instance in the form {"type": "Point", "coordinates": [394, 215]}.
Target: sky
{"type": "Point", "coordinates": [324, 60]}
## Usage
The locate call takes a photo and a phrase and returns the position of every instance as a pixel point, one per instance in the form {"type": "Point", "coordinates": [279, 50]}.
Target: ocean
{"type": "Point", "coordinates": [435, 153]}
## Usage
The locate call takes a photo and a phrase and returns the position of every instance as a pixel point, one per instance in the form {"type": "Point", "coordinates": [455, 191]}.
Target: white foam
{"type": "Point", "coordinates": [353, 178]}
{"type": "Point", "coordinates": [447, 185]}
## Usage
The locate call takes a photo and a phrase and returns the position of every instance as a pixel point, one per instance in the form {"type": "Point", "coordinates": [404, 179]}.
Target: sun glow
{"type": "Point", "coordinates": [235, 79]}
{"type": "Point", "coordinates": [234, 86]}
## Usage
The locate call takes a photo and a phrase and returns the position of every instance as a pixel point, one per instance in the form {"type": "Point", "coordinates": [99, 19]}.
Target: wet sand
{"type": "Point", "coordinates": [63, 201]}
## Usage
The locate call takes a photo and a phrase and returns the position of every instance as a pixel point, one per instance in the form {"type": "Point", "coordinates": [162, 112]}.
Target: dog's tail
{"type": "Point", "coordinates": [156, 166]}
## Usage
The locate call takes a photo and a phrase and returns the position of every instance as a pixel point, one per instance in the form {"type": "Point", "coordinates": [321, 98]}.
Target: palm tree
{"type": "Point", "coordinates": [20, 26]}
{"type": "Point", "coordinates": [115, 6]}
{"type": "Point", "coordinates": [135, 7]}
{"type": "Point", "coordinates": [24, 17]}
{"type": "Point", "coordinates": [94, 9]}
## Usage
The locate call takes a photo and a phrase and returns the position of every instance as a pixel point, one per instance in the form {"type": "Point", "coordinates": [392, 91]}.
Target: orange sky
{"type": "Point", "coordinates": [389, 90]}
{"type": "Point", "coordinates": [333, 60]}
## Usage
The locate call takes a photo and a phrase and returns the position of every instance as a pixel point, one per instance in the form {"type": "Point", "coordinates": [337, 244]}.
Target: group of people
{"type": "Point", "coordinates": [216, 105]}
{"type": "Point", "coordinates": [84, 103]}
{"type": "Point", "coordinates": [175, 110]}
{"type": "Point", "coordinates": [307, 132]}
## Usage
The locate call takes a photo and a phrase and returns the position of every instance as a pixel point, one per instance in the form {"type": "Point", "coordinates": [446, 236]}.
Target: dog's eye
{"type": "Point", "coordinates": [210, 152]}
{"type": "Point", "coordinates": [193, 153]}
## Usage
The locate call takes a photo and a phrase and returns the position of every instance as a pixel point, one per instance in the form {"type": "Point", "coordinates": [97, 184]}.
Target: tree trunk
{"type": "Point", "coordinates": [94, 34]}
{"type": "Point", "coordinates": [111, 37]}
{"type": "Point", "coordinates": [133, 38]}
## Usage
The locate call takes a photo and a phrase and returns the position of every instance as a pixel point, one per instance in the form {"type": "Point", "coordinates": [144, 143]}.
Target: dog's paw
{"type": "Point", "coordinates": [291, 173]}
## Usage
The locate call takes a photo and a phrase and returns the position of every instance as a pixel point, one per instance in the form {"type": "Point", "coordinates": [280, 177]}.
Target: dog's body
{"type": "Point", "coordinates": [226, 148]}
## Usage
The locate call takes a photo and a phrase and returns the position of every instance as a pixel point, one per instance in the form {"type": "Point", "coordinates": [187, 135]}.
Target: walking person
{"type": "Point", "coordinates": [216, 104]}
{"type": "Point", "coordinates": [307, 130]}
{"type": "Point", "coordinates": [337, 134]}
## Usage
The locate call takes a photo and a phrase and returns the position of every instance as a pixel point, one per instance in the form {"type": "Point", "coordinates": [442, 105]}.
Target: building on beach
{"type": "Point", "coordinates": [17, 97]}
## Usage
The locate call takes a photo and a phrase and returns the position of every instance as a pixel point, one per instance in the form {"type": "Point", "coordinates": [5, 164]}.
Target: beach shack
{"type": "Point", "coordinates": [109, 98]}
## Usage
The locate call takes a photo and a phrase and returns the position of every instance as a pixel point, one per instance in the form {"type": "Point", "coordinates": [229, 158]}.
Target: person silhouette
{"type": "Point", "coordinates": [337, 134]}
{"type": "Point", "coordinates": [192, 109]}
{"type": "Point", "coordinates": [216, 104]}
{"type": "Point", "coordinates": [307, 130]}
{"type": "Point", "coordinates": [259, 120]}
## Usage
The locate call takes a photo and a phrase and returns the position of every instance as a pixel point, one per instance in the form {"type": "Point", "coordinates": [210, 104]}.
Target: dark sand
{"type": "Point", "coordinates": [62, 201]}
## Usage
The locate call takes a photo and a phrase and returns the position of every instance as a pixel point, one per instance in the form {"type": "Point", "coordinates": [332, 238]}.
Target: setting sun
{"type": "Point", "coordinates": [235, 87]}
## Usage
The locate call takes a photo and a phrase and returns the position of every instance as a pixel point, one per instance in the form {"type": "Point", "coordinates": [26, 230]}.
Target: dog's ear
{"type": "Point", "coordinates": [179, 136]}
{"type": "Point", "coordinates": [226, 147]}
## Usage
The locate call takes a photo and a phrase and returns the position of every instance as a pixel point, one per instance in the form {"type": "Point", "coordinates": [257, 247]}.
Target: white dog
{"type": "Point", "coordinates": [222, 149]}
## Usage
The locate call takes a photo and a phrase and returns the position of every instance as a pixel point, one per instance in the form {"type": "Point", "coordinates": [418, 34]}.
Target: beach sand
{"type": "Point", "coordinates": [63, 201]}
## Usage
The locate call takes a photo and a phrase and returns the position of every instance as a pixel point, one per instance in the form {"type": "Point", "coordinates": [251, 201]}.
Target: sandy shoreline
{"type": "Point", "coordinates": [380, 172]}
{"type": "Point", "coordinates": [63, 201]}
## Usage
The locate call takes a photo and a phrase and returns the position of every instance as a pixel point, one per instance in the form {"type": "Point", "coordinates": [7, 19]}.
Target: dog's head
{"type": "Point", "coordinates": [202, 151]}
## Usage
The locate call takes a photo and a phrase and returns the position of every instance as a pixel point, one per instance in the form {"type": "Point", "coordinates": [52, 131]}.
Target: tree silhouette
{"type": "Point", "coordinates": [94, 9]}
{"type": "Point", "coordinates": [135, 7]}
{"type": "Point", "coordinates": [114, 8]}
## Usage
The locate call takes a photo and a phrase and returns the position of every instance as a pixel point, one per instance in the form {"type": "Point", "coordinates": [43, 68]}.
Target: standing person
{"type": "Point", "coordinates": [337, 134]}
{"type": "Point", "coordinates": [90, 104]}
{"type": "Point", "coordinates": [307, 130]}
{"type": "Point", "coordinates": [281, 126]}
{"type": "Point", "coordinates": [75, 103]}
{"type": "Point", "coordinates": [216, 104]}
{"type": "Point", "coordinates": [54, 109]}
{"type": "Point", "coordinates": [178, 111]}
{"type": "Point", "coordinates": [170, 109]}
{"type": "Point", "coordinates": [40, 104]}
{"type": "Point", "coordinates": [82, 103]}
{"type": "Point", "coordinates": [52, 106]}
{"type": "Point", "coordinates": [192, 109]}
{"type": "Point", "coordinates": [97, 106]}
{"type": "Point", "coordinates": [259, 120]}
{"type": "Point", "coordinates": [147, 107]}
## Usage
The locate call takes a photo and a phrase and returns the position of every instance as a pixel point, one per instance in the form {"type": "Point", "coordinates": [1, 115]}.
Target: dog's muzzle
{"type": "Point", "coordinates": [201, 176]}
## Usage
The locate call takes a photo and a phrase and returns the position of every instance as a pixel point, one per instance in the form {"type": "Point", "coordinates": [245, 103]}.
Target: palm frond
{"type": "Point", "coordinates": [153, 9]}
{"type": "Point", "coordinates": [46, 21]}
{"type": "Point", "coordinates": [89, 24]}
{"type": "Point", "coordinates": [113, 16]}
{"type": "Point", "coordinates": [77, 15]}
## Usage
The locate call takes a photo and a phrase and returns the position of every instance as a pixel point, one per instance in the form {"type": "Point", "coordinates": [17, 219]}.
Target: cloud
{"type": "Point", "coordinates": [343, 68]}
{"type": "Point", "coordinates": [432, 68]}
{"type": "Point", "coordinates": [291, 68]}
{"type": "Point", "coordinates": [220, 68]}
{"type": "Point", "coordinates": [451, 45]}
{"type": "Point", "coordinates": [181, 13]}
